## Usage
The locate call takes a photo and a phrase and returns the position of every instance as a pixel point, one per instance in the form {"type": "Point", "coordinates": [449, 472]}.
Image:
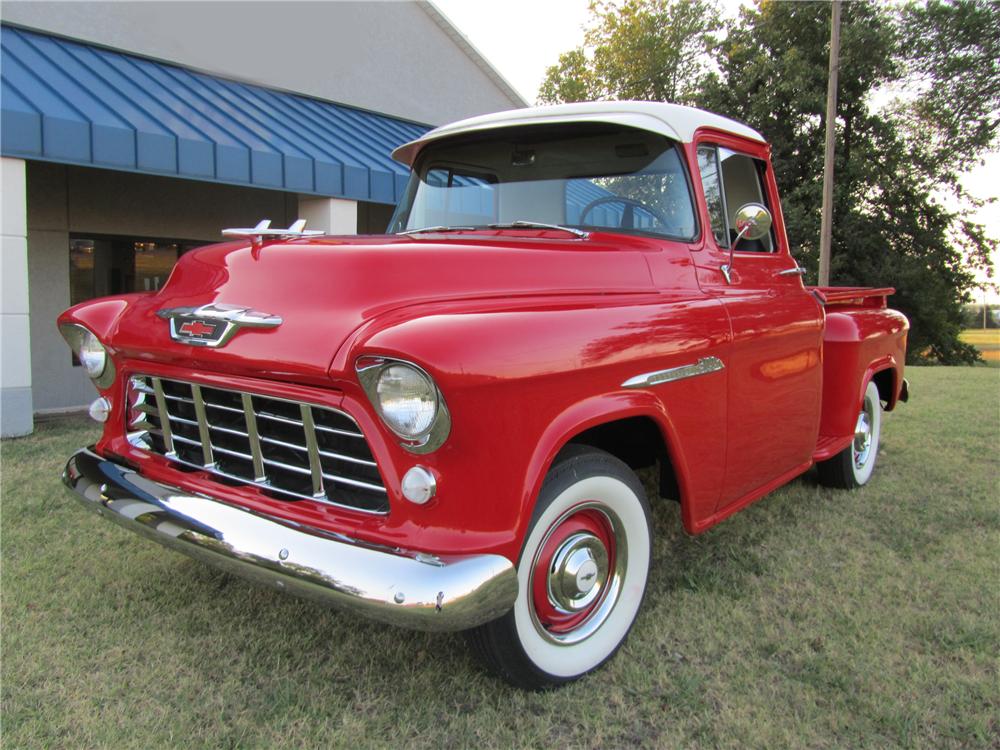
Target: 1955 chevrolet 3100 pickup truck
{"type": "Point", "coordinates": [439, 427]}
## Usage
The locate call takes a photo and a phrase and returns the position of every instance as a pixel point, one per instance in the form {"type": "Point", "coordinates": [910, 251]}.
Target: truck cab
{"type": "Point", "coordinates": [439, 427]}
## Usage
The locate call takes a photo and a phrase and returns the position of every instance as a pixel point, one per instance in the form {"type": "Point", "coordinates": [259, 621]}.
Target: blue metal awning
{"type": "Point", "coordinates": [73, 103]}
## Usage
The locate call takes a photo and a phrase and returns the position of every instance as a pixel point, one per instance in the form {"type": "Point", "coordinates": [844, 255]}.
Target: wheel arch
{"type": "Point", "coordinates": [886, 379]}
{"type": "Point", "coordinates": [600, 422]}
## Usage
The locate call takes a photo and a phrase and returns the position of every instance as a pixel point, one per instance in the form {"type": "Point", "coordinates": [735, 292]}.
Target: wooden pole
{"type": "Point", "coordinates": [831, 139]}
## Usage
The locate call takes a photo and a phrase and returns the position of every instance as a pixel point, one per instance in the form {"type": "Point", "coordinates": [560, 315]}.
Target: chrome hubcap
{"type": "Point", "coordinates": [863, 436]}
{"type": "Point", "coordinates": [578, 573]}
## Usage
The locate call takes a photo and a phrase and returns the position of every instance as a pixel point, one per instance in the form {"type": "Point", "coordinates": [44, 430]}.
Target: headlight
{"type": "Point", "coordinates": [91, 353]}
{"type": "Point", "coordinates": [407, 400]}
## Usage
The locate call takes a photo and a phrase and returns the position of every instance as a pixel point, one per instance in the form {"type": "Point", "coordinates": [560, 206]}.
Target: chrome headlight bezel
{"type": "Point", "coordinates": [96, 361]}
{"type": "Point", "coordinates": [370, 370]}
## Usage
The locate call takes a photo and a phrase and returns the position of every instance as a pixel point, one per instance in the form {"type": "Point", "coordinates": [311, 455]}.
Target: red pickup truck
{"type": "Point", "coordinates": [439, 427]}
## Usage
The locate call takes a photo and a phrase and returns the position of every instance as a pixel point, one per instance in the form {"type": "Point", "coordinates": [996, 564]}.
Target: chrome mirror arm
{"type": "Point", "coordinates": [728, 267]}
{"type": "Point", "coordinates": [754, 221]}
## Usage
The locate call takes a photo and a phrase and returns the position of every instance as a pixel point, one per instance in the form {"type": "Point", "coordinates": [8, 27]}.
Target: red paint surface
{"type": "Point", "coordinates": [529, 335]}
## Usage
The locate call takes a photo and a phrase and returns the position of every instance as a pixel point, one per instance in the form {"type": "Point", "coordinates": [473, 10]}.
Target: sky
{"type": "Point", "coordinates": [521, 38]}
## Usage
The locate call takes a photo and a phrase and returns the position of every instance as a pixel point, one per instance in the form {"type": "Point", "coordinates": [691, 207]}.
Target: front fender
{"type": "Point", "coordinates": [593, 412]}
{"type": "Point", "coordinates": [521, 381]}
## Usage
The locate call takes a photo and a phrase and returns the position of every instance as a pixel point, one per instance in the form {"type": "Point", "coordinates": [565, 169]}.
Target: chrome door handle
{"type": "Point", "coordinates": [797, 271]}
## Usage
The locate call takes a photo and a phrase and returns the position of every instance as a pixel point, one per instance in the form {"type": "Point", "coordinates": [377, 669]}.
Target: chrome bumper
{"type": "Point", "coordinates": [422, 592]}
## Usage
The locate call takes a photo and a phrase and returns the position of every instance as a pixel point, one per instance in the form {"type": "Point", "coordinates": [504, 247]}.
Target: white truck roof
{"type": "Point", "coordinates": [672, 120]}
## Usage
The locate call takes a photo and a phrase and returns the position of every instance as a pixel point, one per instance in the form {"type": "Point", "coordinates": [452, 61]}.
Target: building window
{"type": "Point", "coordinates": [100, 265]}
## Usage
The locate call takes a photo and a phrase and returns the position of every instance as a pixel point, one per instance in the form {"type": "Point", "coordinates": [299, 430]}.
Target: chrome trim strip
{"type": "Point", "coordinates": [181, 399]}
{"type": "Point", "coordinates": [320, 427]}
{"type": "Point", "coordinates": [189, 441]}
{"type": "Point", "coordinates": [161, 405]}
{"type": "Point", "coordinates": [283, 444]}
{"type": "Point", "coordinates": [203, 433]}
{"type": "Point", "coordinates": [336, 478]}
{"type": "Point", "coordinates": [703, 366]}
{"type": "Point", "coordinates": [257, 440]}
{"type": "Point", "coordinates": [408, 589]}
{"type": "Point", "coordinates": [231, 317]}
{"type": "Point", "coordinates": [279, 418]}
{"type": "Point", "coordinates": [335, 431]}
{"type": "Point", "coordinates": [266, 485]}
{"type": "Point", "coordinates": [228, 430]}
{"type": "Point", "coordinates": [253, 436]}
{"type": "Point", "coordinates": [223, 407]}
{"type": "Point", "coordinates": [347, 459]}
{"type": "Point", "coordinates": [315, 467]}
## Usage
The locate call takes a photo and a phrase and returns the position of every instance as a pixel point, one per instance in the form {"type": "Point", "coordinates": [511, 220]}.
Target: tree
{"type": "Point", "coordinates": [653, 50]}
{"type": "Point", "coordinates": [957, 44]}
{"type": "Point", "coordinates": [891, 226]}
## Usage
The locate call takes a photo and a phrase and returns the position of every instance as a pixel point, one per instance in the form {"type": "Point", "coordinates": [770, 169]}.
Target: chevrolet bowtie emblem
{"type": "Point", "coordinates": [214, 325]}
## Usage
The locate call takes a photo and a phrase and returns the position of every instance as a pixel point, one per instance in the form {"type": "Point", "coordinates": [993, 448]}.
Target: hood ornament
{"type": "Point", "coordinates": [214, 325]}
{"type": "Point", "coordinates": [264, 231]}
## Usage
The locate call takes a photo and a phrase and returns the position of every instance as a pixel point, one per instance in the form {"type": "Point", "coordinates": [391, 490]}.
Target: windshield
{"type": "Point", "coordinates": [584, 176]}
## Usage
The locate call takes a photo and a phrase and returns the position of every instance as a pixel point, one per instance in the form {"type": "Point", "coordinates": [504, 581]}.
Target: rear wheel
{"type": "Point", "coordinates": [853, 466]}
{"type": "Point", "coordinates": [582, 575]}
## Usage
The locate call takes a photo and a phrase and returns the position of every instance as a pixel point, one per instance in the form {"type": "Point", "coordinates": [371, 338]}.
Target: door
{"type": "Point", "coordinates": [775, 367]}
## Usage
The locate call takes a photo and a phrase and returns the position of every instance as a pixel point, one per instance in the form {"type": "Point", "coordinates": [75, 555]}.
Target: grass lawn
{"type": "Point", "coordinates": [815, 618]}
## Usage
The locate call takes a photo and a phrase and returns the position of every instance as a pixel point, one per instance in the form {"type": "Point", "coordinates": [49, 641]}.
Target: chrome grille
{"type": "Point", "coordinates": [292, 449]}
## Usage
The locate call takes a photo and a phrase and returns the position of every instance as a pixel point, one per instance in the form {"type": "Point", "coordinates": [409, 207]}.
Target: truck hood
{"type": "Point", "coordinates": [324, 289]}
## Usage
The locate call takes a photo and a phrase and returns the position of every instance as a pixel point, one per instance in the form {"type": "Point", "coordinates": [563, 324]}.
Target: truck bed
{"type": "Point", "coordinates": [852, 296]}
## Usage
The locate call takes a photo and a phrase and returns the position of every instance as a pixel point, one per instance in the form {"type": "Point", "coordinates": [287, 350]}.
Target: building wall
{"type": "Point", "coordinates": [391, 57]}
{"type": "Point", "coordinates": [63, 200]}
{"type": "Point", "coordinates": [15, 352]}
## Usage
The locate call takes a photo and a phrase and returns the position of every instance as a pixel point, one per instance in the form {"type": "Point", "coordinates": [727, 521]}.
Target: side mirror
{"type": "Point", "coordinates": [753, 221]}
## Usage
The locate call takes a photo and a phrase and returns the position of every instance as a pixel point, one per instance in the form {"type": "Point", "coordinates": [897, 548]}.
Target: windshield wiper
{"type": "Point", "coordinates": [441, 228]}
{"type": "Point", "coordinates": [521, 224]}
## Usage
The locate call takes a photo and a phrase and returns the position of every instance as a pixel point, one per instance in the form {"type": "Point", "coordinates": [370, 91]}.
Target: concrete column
{"type": "Point", "coordinates": [332, 215]}
{"type": "Point", "coordinates": [15, 340]}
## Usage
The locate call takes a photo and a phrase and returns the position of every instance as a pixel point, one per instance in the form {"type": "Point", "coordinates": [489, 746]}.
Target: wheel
{"type": "Point", "coordinates": [853, 466]}
{"type": "Point", "coordinates": [581, 575]}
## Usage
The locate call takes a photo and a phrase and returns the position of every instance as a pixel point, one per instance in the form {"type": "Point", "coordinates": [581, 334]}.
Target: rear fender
{"type": "Point", "coordinates": [858, 345]}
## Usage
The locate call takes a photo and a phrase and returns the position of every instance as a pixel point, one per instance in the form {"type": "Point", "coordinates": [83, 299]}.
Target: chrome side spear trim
{"type": "Point", "coordinates": [703, 366]}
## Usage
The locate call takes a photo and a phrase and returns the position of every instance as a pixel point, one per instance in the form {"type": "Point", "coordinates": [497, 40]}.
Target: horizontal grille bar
{"type": "Point", "coordinates": [273, 441]}
{"type": "Point", "coordinates": [296, 449]}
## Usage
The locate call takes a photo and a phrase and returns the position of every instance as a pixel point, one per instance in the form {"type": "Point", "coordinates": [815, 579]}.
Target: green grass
{"type": "Point", "coordinates": [814, 618]}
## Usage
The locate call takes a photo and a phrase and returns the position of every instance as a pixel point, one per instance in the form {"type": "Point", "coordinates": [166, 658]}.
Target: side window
{"type": "Point", "coordinates": [741, 183]}
{"type": "Point", "coordinates": [711, 182]}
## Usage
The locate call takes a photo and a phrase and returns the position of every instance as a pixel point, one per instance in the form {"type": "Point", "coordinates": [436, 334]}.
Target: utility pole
{"type": "Point", "coordinates": [831, 138]}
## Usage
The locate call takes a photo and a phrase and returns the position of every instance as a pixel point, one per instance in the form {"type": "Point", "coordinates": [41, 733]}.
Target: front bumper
{"type": "Point", "coordinates": [419, 591]}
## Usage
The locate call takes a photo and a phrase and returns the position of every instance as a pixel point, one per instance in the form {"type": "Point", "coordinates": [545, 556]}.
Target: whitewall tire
{"type": "Point", "coordinates": [853, 466]}
{"type": "Point", "coordinates": [581, 575]}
